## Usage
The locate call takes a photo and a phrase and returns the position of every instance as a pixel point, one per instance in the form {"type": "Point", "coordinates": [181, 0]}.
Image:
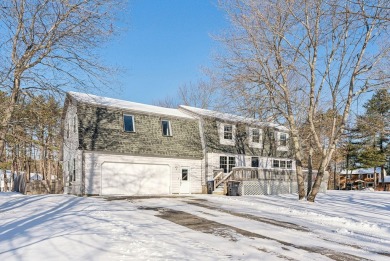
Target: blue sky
{"type": "Point", "coordinates": [166, 45]}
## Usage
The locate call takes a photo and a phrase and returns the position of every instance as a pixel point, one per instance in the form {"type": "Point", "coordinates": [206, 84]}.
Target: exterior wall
{"type": "Point", "coordinates": [269, 141]}
{"type": "Point", "coordinates": [196, 143]}
{"type": "Point", "coordinates": [71, 155]}
{"type": "Point", "coordinates": [93, 162]}
{"type": "Point", "coordinates": [265, 163]}
{"type": "Point", "coordinates": [101, 129]}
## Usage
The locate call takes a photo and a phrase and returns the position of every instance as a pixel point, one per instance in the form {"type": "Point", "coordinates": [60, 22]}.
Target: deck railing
{"type": "Point", "coordinates": [221, 177]}
{"type": "Point", "coordinates": [252, 173]}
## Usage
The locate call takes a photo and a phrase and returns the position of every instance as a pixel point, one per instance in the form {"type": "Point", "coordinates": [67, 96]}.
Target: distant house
{"type": "Point", "coordinates": [116, 147]}
{"type": "Point", "coordinates": [360, 178]}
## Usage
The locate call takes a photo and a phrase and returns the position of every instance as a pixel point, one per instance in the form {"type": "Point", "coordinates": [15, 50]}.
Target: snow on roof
{"type": "Point", "coordinates": [139, 107]}
{"type": "Point", "coordinates": [231, 117]}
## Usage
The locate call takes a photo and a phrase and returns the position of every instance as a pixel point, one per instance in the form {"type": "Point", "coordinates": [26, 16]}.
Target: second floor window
{"type": "Point", "coordinates": [228, 132]}
{"type": "Point", "coordinates": [283, 139]}
{"type": "Point", "coordinates": [255, 139]}
{"type": "Point", "coordinates": [128, 123]}
{"type": "Point", "coordinates": [255, 136]}
{"type": "Point", "coordinates": [166, 128]}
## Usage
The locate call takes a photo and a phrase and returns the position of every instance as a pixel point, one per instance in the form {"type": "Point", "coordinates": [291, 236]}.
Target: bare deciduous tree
{"type": "Point", "coordinates": [50, 45]}
{"type": "Point", "coordinates": [302, 57]}
{"type": "Point", "coordinates": [201, 95]}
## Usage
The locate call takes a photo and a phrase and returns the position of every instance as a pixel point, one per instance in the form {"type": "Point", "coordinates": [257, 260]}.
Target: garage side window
{"type": "Point", "coordinates": [166, 128]}
{"type": "Point", "coordinates": [74, 169]}
{"type": "Point", "coordinates": [128, 123]}
{"type": "Point", "coordinates": [69, 173]}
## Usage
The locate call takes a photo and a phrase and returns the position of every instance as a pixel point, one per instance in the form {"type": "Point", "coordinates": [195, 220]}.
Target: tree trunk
{"type": "Point", "coordinates": [317, 183]}
{"type": "Point", "coordinates": [310, 167]}
{"type": "Point", "coordinates": [325, 159]}
{"type": "Point", "coordinates": [2, 143]}
{"type": "Point", "coordinates": [298, 162]}
{"type": "Point", "coordinates": [5, 180]}
{"type": "Point", "coordinates": [334, 176]}
{"type": "Point", "coordinates": [7, 116]}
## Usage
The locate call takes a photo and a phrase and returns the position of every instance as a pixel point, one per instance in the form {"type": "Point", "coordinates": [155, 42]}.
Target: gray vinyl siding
{"type": "Point", "coordinates": [101, 129]}
{"type": "Point", "coordinates": [269, 145]}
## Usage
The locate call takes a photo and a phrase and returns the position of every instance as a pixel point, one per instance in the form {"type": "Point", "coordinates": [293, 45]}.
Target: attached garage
{"type": "Point", "coordinates": [119, 178]}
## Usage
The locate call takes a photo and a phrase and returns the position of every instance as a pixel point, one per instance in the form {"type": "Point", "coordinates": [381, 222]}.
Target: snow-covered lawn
{"type": "Point", "coordinates": [341, 225]}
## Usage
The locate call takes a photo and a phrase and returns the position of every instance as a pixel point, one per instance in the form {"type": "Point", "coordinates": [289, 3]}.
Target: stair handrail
{"type": "Point", "coordinates": [217, 183]}
{"type": "Point", "coordinates": [217, 177]}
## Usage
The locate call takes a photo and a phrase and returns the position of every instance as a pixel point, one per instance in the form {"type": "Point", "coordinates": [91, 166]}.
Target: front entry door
{"type": "Point", "coordinates": [185, 181]}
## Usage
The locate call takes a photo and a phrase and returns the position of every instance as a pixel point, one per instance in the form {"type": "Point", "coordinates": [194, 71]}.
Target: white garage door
{"type": "Point", "coordinates": [135, 179]}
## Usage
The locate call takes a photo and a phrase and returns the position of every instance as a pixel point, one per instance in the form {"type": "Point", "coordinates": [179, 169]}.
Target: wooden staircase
{"type": "Point", "coordinates": [220, 190]}
{"type": "Point", "coordinates": [220, 182]}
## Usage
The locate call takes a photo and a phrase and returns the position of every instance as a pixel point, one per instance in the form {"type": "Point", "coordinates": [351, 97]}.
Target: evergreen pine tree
{"type": "Point", "coordinates": [374, 128]}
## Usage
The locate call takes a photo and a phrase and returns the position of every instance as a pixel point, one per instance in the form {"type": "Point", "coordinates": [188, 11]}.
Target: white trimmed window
{"type": "Point", "coordinates": [282, 140]}
{"type": "Point", "coordinates": [276, 163]}
{"type": "Point", "coordinates": [166, 128]}
{"type": "Point", "coordinates": [227, 163]}
{"type": "Point", "coordinates": [128, 123]}
{"type": "Point", "coordinates": [227, 133]}
{"type": "Point", "coordinates": [184, 174]}
{"type": "Point", "coordinates": [255, 162]}
{"type": "Point", "coordinates": [282, 164]}
{"type": "Point", "coordinates": [255, 137]}
{"type": "Point", "coordinates": [289, 164]}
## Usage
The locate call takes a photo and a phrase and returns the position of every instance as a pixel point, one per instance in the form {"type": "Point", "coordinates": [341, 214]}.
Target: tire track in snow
{"type": "Point", "coordinates": [215, 228]}
{"type": "Point", "coordinates": [279, 223]}
{"type": "Point", "coordinates": [252, 217]}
